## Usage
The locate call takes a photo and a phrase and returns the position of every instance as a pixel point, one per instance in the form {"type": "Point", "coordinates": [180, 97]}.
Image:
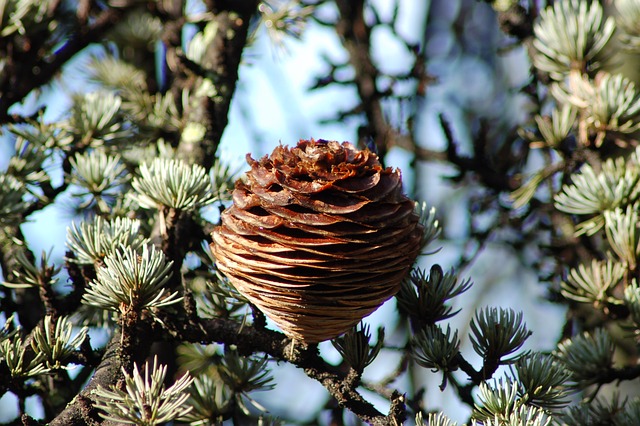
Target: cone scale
{"type": "Point", "coordinates": [318, 237]}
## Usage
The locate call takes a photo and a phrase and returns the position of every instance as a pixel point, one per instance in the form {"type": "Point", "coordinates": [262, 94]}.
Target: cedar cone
{"type": "Point", "coordinates": [318, 237]}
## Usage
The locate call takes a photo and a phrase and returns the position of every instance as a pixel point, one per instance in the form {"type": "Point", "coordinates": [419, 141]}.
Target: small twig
{"type": "Point", "coordinates": [80, 277]}
{"type": "Point", "coordinates": [259, 319]}
{"type": "Point", "coordinates": [475, 376]}
{"type": "Point", "coordinates": [355, 34]}
{"type": "Point", "coordinates": [478, 163]}
{"type": "Point", "coordinates": [28, 305]}
{"type": "Point", "coordinates": [464, 392]}
{"type": "Point", "coordinates": [30, 421]}
{"type": "Point", "coordinates": [381, 387]}
{"type": "Point", "coordinates": [620, 374]}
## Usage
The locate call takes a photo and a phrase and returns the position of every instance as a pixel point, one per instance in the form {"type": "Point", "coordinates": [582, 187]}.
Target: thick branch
{"type": "Point", "coordinates": [80, 411]}
{"type": "Point", "coordinates": [128, 346]}
{"type": "Point", "coordinates": [223, 60]}
{"type": "Point", "coordinates": [250, 340]}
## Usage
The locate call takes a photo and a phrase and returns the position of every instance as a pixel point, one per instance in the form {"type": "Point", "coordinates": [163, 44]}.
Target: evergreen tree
{"type": "Point", "coordinates": [174, 261]}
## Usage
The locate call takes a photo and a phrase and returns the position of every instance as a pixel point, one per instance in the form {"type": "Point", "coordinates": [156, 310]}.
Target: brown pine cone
{"type": "Point", "coordinates": [318, 237]}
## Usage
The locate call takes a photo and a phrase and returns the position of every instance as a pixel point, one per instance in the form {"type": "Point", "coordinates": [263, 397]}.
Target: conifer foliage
{"type": "Point", "coordinates": [185, 287]}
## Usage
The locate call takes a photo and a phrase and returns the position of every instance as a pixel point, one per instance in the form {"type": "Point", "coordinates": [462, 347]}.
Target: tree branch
{"type": "Point", "coordinates": [27, 303]}
{"type": "Point", "coordinates": [42, 68]}
{"type": "Point", "coordinates": [356, 38]}
{"type": "Point", "coordinates": [223, 60]}
{"type": "Point", "coordinates": [80, 411]}
{"type": "Point", "coordinates": [250, 340]}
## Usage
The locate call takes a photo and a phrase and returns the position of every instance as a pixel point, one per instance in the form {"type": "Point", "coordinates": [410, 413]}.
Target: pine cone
{"type": "Point", "coordinates": [318, 237]}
